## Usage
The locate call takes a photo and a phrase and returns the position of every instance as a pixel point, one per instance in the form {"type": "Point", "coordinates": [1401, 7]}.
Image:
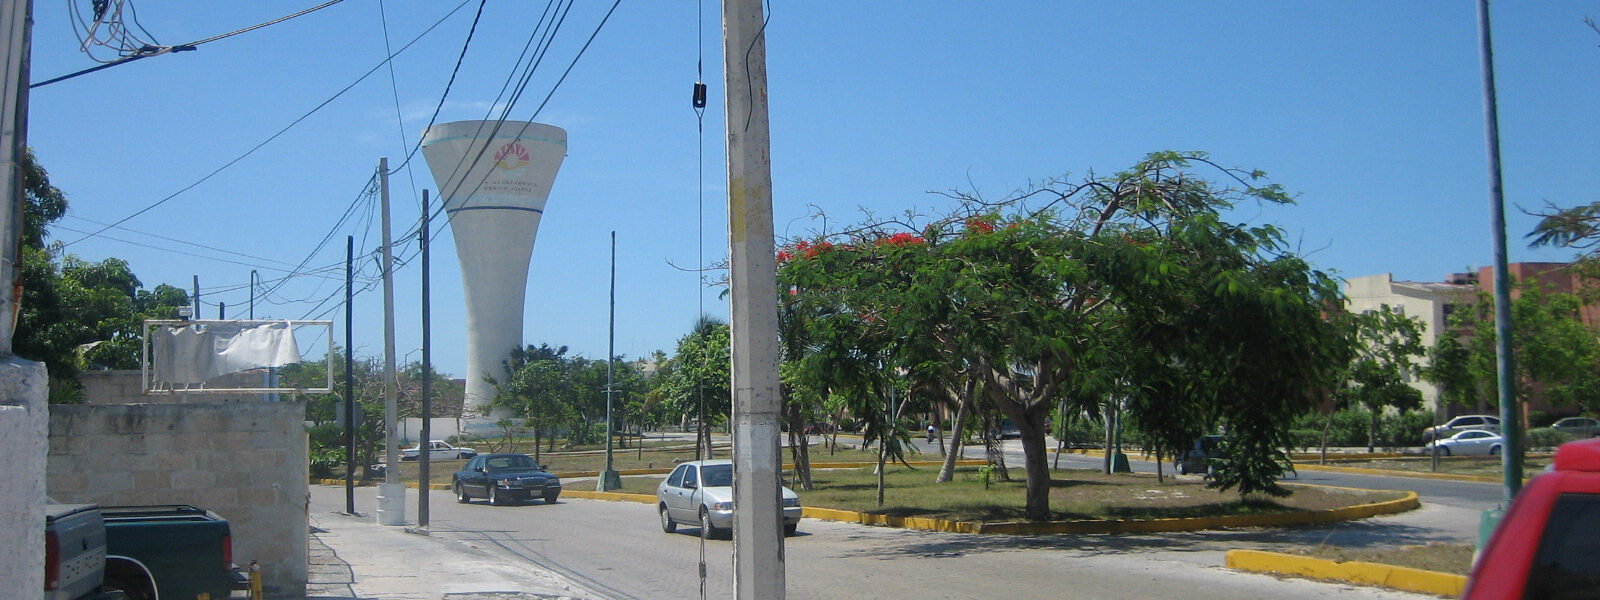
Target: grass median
{"type": "Point", "coordinates": [1074, 494]}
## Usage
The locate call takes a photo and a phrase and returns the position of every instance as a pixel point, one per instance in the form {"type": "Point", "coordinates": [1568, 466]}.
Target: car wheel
{"type": "Point", "coordinates": [1494, 451]}
{"type": "Point", "coordinates": [461, 494]}
{"type": "Point", "coordinates": [667, 524]}
{"type": "Point", "coordinates": [494, 496]}
{"type": "Point", "coordinates": [551, 498]}
{"type": "Point", "coordinates": [706, 530]}
{"type": "Point", "coordinates": [790, 529]}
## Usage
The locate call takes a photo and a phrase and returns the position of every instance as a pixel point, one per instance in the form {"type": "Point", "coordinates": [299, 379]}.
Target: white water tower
{"type": "Point", "coordinates": [494, 177]}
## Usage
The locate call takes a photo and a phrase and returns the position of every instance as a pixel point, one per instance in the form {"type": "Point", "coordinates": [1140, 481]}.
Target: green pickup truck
{"type": "Point", "coordinates": [170, 551]}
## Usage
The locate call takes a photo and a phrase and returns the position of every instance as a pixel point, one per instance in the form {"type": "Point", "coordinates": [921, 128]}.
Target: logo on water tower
{"type": "Point", "coordinates": [511, 156]}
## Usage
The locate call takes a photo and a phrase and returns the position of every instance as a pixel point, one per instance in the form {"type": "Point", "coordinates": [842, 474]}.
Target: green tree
{"type": "Point", "coordinates": [1387, 344]}
{"type": "Point", "coordinates": [698, 380]}
{"type": "Point", "coordinates": [1041, 304]}
{"type": "Point", "coordinates": [1557, 354]}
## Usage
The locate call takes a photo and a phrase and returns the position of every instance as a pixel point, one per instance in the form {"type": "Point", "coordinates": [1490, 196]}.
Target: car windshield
{"type": "Point", "coordinates": [510, 463]}
{"type": "Point", "coordinates": [717, 475]}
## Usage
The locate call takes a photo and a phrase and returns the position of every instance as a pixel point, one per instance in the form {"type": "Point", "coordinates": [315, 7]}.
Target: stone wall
{"type": "Point", "coordinates": [127, 387]}
{"type": "Point", "coordinates": [247, 461]}
{"type": "Point", "coordinates": [22, 439]}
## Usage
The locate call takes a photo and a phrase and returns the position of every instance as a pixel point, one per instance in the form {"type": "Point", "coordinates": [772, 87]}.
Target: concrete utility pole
{"type": "Point", "coordinates": [758, 524]}
{"type": "Point", "coordinates": [16, 23]}
{"type": "Point", "coordinates": [391, 493]}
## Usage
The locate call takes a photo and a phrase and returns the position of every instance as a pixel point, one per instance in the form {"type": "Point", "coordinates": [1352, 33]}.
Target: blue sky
{"type": "Point", "coordinates": [1369, 112]}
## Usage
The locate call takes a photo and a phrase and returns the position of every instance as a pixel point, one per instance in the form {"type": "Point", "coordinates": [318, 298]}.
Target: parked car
{"type": "Point", "coordinates": [1545, 546]}
{"type": "Point", "coordinates": [1468, 443]}
{"type": "Point", "coordinates": [1008, 431]}
{"type": "Point", "coordinates": [1460, 424]}
{"type": "Point", "coordinates": [504, 478]}
{"type": "Point", "coordinates": [75, 553]}
{"type": "Point", "coordinates": [439, 450]}
{"type": "Point", "coordinates": [701, 493]}
{"type": "Point", "coordinates": [1197, 459]}
{"type": "Point", "coordinates": [1578, 426]}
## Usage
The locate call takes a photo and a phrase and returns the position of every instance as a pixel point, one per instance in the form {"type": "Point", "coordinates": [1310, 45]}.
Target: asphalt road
{"type": "Point", "coordinates": [617, 550]}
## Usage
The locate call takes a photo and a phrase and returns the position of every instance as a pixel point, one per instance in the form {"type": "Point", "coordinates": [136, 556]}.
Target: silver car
{"type": "Point", "coordinates": [1467, 443]}
{"type": "Point", "coordinates": [701, 493]}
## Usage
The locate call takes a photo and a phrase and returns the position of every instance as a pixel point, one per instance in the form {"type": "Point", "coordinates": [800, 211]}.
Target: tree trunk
{"type": "Point", "coordinates": [963, 410]}
{"type": "Point", "coordinates": [1111, 424]}
{"type": "Point", "coordinates": [1372, 430]}
{"type": "Point", "coordinates": [1159, 477]}
{"type": "Point", "coordinates": [883, 454]}
{"type": "Point", "coordinates": [1033, 428]}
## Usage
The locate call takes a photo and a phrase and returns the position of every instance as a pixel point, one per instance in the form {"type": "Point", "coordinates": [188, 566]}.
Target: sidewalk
{"type": "Point", "coordinates": [354, 558]}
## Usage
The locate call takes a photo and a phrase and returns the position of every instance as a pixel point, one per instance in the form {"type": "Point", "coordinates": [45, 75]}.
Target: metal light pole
{"type": "Point", "coordinates": [253, 280]}
{"type": "Point", "coordinates": [427, 375]}
{"type": "Point", "coordinates": [609, 479]}
{"type": "Point", "coordinates": [758, 558]}
{"type": "Point", "coordinates": [1505, 364]}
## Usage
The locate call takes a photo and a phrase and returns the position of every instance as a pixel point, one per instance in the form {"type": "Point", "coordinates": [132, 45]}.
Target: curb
{"type": "Point", "coordinates": [1389, 576]}
{"type": "Point", "coordinates": [1112, 526]}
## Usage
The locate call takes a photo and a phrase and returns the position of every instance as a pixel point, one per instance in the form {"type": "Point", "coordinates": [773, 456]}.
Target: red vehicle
{"type": "Point", "coordinates": [1547, 545]}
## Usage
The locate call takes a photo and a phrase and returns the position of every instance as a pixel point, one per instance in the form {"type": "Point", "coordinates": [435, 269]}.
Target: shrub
{"type": "Point", "coordinates": [1545, 437]}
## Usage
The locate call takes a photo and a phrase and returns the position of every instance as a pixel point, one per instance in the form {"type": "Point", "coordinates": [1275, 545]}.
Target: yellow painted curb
{"type": "Point", "coordinates": [1389, 576]}
{"type": "Point", "coordinates": [611, 496]}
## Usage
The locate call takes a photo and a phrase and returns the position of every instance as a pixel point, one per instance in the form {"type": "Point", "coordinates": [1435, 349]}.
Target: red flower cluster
{"type": "Point", "coordinates": [812, 250]}
{"type": "Point", "coordinates": [784, 256]}
{"type": "Point", "coordinates": [977, 225]}
{"type": "Point", "coordinates": [901, 239]}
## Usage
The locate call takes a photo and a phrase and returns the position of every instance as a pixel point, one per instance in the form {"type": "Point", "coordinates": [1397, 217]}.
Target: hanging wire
{"type": "Point", "coordinates": [699, 102]}
{"type": "Point", "coordinates": [274, 136]}
{"type": "Point", "coordinates": [130, 48]}
{"type": "Point", "coordinates": [394, 89]}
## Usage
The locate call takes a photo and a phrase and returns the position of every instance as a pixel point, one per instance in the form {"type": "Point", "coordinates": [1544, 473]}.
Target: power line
{"type": "Point", "coordinates": [146, 50]}
{"type": "Point", "coordinates": [274, 136]}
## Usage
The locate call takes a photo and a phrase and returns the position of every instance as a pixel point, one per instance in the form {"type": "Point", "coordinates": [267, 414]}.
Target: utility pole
{"type": "Point", "coordinates": [1505, 363]}
{"type": "Point", "coordinates": [610, 479]}
{"type": "Point", "coordinates": [349, 377]}
{"type": "Point", "coordinates": [16, 24]}
{"type": "Point", "coordinates": [758, 557]}
{"type": "Point", "coordinates": [253, 278]}
{"type": "Point", "coordinates": [197, 297]}
{"type": "Point", "coordinates": [427, 373]}
{"type": "Point", "coordinates": [392, 493]}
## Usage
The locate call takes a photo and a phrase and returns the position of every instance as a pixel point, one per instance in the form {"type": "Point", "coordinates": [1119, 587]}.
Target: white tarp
{"type": "Point", "coordinates": [194, 354]}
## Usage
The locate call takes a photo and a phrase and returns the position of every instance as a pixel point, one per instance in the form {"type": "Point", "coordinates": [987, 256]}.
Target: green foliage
{"type": "Point", "coordinates": [1556, 354]}
{"type": "Point", "coordinates": [1545, 437]}
{"type": "Point", "coordinates": [1130, 286]}
{"type": "Point", "coordinates": [76, 314]}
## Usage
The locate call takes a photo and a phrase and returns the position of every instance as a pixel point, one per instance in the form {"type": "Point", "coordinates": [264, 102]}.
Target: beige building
{"type": "Point", "coordinates": [1431, 303]}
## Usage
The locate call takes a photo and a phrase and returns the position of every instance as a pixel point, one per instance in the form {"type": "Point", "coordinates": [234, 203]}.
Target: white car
{"type": "Point", "coordinates": [701, 493]}
{"type": "Point", "coordinates": [439, 450]}
{"type": "Point", "coordinates": [1468, 443]}
{"type": "Point", "coordinates": [1460, 424]}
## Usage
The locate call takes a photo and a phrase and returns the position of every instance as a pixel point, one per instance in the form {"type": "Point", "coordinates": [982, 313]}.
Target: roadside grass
{"type": "Point", "coordinates": [1484, 466]}
{"type": "Point", "coordinates": [1075, 494]}
{"type": "Point", "coordinates": [1444, 558]}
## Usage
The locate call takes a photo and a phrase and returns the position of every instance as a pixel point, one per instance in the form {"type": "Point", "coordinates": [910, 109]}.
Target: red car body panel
{"type": "Point", "coordinates": [1502, 569]}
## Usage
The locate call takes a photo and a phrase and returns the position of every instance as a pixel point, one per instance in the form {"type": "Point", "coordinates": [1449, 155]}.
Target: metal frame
{"type": "Point", "coordinates": [145, 365]}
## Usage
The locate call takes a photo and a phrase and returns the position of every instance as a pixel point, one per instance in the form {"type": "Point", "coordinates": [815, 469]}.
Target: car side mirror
{"type": "Point", "coordinates": [691, 485]}
{"type": "Point", "coordinates": [478, 469]}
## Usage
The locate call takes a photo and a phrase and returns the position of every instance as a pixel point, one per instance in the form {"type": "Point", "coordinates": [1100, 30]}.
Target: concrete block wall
{"type": "Point", "coordinates": [23, 415]}
{"type": "Point", "coordinates": [127, 387]}
{"type": "Point", "coordinates": [247, 461]}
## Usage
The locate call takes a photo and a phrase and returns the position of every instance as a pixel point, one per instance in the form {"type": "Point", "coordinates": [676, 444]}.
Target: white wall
{"type": "Point", "coordinates": [23, 396]}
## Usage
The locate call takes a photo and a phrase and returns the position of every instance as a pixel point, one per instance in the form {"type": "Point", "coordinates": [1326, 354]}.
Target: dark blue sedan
{"type": "Point", "coordinates": [504, 478]}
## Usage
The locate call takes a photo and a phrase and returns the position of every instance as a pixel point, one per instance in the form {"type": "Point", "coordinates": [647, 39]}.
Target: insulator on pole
{"type": "Point", "coordinates": [699, 94]}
